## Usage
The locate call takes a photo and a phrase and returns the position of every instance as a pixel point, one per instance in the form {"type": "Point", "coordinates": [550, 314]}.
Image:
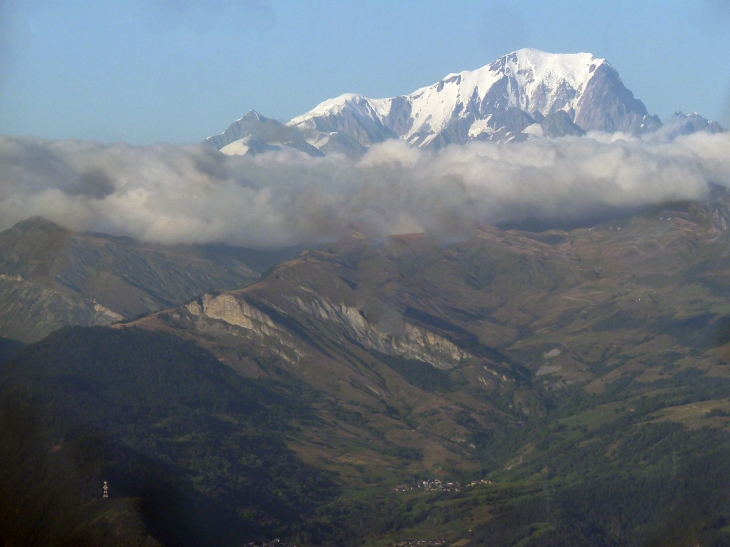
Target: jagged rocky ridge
{"type": "Point", "coordinates": [525, 94]}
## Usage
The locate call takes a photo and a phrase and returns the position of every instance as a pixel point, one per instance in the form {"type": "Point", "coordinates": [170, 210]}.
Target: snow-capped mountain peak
{"type": "Point", "coordinates": [352, 101]}
{"type": "Point", "coordinates": [553, 94]}
{"type": "Point", "coordinates": [530, 80]}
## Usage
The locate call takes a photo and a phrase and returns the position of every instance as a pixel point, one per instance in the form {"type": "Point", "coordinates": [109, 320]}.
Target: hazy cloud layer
{"type": "Point", "coordinates": [192, 194]}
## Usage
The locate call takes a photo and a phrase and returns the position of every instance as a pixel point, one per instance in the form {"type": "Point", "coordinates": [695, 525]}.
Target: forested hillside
{"type": "Point", "coordinates": [194, 454]}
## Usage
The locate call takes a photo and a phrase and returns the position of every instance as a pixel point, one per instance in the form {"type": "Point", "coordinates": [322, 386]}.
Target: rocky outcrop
{"type": "Point", "coordinates": [406, 340]}
{"type": "Point", "coordinates": [226, 307]}
{"type": "Point", "coordinates": [559, 124]}
{"type": "Point", "coordinates": [607, 105]}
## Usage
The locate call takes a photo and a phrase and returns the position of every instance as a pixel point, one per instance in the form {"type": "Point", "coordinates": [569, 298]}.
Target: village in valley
{"type": "Point", "coordinates": [421, 543]}
{"type": "Point", "coordinates": [437, 485]}
{"type": "Point", "coordinates": [273, 543]}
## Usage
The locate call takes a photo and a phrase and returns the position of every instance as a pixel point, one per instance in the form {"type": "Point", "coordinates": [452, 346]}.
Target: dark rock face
{"type": "Point", "coordinates": [607, 105]}
{"type": "Point", "coordinates": [399, 118]}
{"type": "Point", "coordinates": [457, 132]}
{"type": "Point", "coordinates": [506, 125]}
{"type": "Point", "coordinates": [497, 98]}
{"type": "Point", "coordinates": [364, 130]}
{"type": "Point", "coordinates": [559, 124]}
{"type": "Point", "coordinates": [512, 119]}
{"type": "Point", "coordinates": [681, 124]}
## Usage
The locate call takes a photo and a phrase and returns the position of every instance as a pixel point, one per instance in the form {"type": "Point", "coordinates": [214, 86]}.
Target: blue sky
{"type": "Point", "coordinates": [147, 71]}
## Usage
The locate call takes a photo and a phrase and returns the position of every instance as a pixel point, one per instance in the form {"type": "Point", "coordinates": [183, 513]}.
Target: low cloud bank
{"type": "Point", "coordinates": [190, 194]}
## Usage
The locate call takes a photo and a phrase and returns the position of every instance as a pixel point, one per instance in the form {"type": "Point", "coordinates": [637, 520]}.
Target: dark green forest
{"type": "Point", "coordinates": [192, 451]}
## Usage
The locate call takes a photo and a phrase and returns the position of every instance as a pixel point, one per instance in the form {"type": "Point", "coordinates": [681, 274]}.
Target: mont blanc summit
{"type": "Point", "coordinates": [525, 94]}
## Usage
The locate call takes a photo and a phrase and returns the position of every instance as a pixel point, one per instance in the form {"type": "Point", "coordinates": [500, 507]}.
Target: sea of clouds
{"type": "Point", "coordinates": [192, 194]}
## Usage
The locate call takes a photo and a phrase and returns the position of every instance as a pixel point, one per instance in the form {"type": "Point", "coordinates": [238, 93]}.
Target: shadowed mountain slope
{"type": "Point", "coordinates": [51, 277]}
{"type": "Point", "coordinates": [494, 303]}
{"type": "Point", "coordinates": [193, 453]}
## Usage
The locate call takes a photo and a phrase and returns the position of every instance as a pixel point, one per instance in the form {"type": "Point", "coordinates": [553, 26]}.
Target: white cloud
{"type": "Point", "coordinates": [191, 194]}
